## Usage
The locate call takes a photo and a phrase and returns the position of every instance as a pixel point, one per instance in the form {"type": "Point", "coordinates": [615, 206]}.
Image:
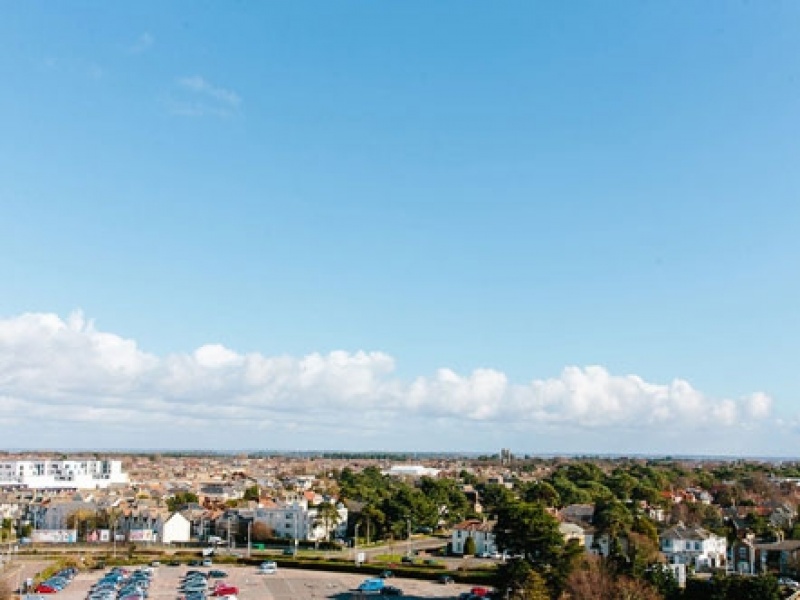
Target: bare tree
{"type": "Point", "coordinates": [261, 532]}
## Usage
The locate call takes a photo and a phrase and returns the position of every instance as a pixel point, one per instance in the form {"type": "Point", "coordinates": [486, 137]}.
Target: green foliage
{"type": "Point", "coordinates": [467, 477]}
{"type": "Point", "coordinates": [534, 587]}
{"type": "Point", "coordinates": [763, 587]}
{"type": "Point", "coordinates": [526, 528]}
{"type": "Point", "coordinates": [663, 580]}
{"type": "Point", "coordinates": [470, 548]}
{"type": "Point", "coordinates": [622, 484]}
{"type": "Point", "coordinates": [612, 517]}
{"type": "Point", "coordinates": [180, 499]}
{"type": "Point", "coordinates": [495, 496]}
{"type": "Point", "coordinates": [569, 492]}
{"type": "Point", "coordinates": [328, 517]}
{"type": "Point", "coordinates": [446, 497]}
{"type": "Point", "coordinates": [252, 493]}
{"type": "Point", "coordinates": [543, 492]}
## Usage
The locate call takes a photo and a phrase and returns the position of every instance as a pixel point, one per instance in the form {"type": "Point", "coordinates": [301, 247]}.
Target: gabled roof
{"type": "Point", "coordinates": [684, 532]}
{"type": "Point", "coordinates": [475, 525]}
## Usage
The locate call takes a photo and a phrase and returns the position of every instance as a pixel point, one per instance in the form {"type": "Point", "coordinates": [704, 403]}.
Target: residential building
{"type": "Point", "coordinates": [480, 531]}
{"type": "Point", "coordinates": [63, 474]}
{"type": "Point", "coordinates": [299, 521]}
{"type": "Point", "coordinates": [693, 546]}
{"type": "Point", "coordinates": [176, 528]}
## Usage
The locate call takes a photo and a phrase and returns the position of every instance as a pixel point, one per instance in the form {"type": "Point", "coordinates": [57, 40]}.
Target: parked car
{"type": "Point", "coordinates": [386, 574]}
{"type": "Point", "coordinates": [390, 590]}
{"type": "Point", "coordinates": [268, 568]}
{"type": "Point", "coordinates": [445, 579]}
{"type": "Point", "coordinates": [217, 574]}
{"type": "Point", "coordinates": [788, 582]}
{"type": "Point", "coordinates": [226, 589]}
{"type": "Point", "coordinates": [371, 585]}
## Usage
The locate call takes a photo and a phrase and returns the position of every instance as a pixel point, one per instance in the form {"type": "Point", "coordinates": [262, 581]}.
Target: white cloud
{"type": "Point", "coordinates": [142, 44]}
{"type": "Point", "coordinates": [55, 370]}
{"type": "Point", "coordinates": [199, 97]}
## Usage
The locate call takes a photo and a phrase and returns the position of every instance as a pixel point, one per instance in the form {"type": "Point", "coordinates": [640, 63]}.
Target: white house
{"type": "Point", "coordinates": [572, 531]}
{"type": "Point", "coordinates": [693, 546]}
{"type": "Point", "coordinates": [480, 531]}
{"type": "Point", "coordinates": [176, 528]}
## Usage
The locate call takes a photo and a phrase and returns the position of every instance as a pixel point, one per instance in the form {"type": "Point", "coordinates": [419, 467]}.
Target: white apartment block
{"type": "Point", "coordinates": [301, 522]}
{"type": "Point", "coordinates": [61, 474]}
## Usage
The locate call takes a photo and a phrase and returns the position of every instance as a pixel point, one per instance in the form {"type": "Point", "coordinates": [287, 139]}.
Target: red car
{"type": "Point", "coordinates": [43, 588]}
{"type": "Point", "coordinates": [480, 591]}
{"type": "Point", "coordinates": [225, 589]}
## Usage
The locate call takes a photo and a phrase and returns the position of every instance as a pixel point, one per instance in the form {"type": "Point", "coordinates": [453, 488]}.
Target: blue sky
{"type": "Point", "coordinates": [511, 190]}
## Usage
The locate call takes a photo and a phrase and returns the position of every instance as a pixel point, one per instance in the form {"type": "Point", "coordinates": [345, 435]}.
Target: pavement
{"type": "Point", "coordinates": [285, 584]}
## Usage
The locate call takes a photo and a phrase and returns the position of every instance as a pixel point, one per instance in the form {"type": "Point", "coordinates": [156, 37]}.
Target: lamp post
{"type": "Point", "coordinates": [408, 550]}
{"type": "Point", "coordinates": [249, 527]}
{"type": "Point", "coordinates": [355, 542]}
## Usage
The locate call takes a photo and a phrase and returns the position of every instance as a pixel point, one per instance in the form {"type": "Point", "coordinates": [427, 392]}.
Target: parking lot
{"type": "Point", "coordinates": [285, 584]}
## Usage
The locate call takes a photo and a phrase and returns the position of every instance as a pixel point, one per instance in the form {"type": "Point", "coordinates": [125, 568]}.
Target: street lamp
{"type": "Point", "coordinates": [408, 551]}
{"type": "Point", "coordinates": [355, 542]}
{"type": "Point", "coordinates": [249, 527]}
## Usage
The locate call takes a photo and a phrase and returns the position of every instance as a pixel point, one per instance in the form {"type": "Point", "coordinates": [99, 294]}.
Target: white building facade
{"type": "Point", "coordinates": [480, 531]}
{"type": "Point", "coordinates": [61, 474]}
{"type": "Point", "coordinates": [176, 528]}
{"type": "Point", "coordinates": [300, 522]}
{"type": "Point", "coordinates": [693, 546]}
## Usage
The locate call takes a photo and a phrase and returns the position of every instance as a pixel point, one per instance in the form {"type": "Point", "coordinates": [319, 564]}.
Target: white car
{"type": "Point", "coordinates": [788, 582]}
{"type": "Point", "coordinates": [268, 568]}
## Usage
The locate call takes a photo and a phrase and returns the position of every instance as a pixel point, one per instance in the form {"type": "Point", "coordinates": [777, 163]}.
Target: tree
{"type": "Point", "coordinates": [447, 499]}
{"type": "Point", "coordinates": [534, 588]}
{"type": "Point", "coordinates": [328, 517]}
{"type": "Point", "coordinates": [542, 492]}
{"type": "Point", "coordinates": [590, 581]}
{"type": "Point", "coordinates": [180, 499]}
{"type": "Point", "coordinates": [261, 532]}
{"type": "Point", "coordinates": [252, 493]}
{"type": "Point", "coordinates": [663, 579]}
{"type": "Point", "coordinates": [374, 522]}
{"type": "Point", "coordinates": [82, 520]}
{"type": "Point", "coordinates": [634, 589]}
{"type": "Point", "coordinates": [494, 496]}
{"type": "Point", "coordinates": [526, 528]}
{"type": "Point", "coordinates": [593, 580]}
{"type": "Point", "coordinates": [470, 548]}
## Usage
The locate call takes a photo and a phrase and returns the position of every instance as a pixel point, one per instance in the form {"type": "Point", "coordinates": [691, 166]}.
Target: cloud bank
{"type": "Point", "coordinates": [66, 375]}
